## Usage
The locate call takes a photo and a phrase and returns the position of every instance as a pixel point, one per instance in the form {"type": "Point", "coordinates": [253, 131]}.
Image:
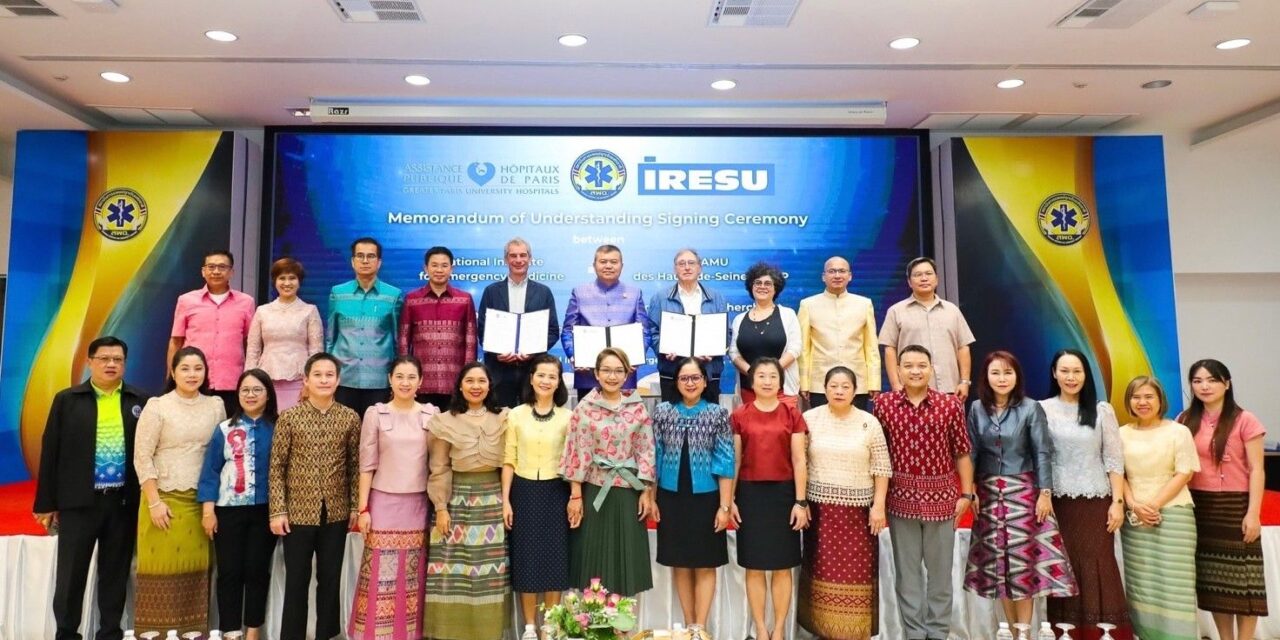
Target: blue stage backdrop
{"type": "Point", "coordinates": [792, 198]}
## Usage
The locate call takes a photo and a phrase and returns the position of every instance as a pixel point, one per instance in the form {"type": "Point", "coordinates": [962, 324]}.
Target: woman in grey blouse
{"type": "Point", "coordinates": [1015, 552]}
{"type": "Point", "coordinates": [1088, 490]}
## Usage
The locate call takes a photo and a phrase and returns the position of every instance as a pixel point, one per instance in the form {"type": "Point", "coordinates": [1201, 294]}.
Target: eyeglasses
{"type": "Point", "coordinates": [109, 359]}
{"type": "Point", "coordinates": [252, 391]}
{"type": "Point", "coordinates": [837, 272]}
{"type": "Point", "coordinates": [687, 263]}
{"type": "Point", "coordinates": [364, 257]}
{"type": "Point", "coordinates": [694, 379]}
{"type": "Point", "coordinates": [767, 284]}
{"type": "Point", "coordinates": [613, 373]}
{"type": "Point", "coordinates": [217, 268]}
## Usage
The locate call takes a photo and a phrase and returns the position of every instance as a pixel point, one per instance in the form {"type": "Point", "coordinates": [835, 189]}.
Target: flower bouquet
{"type": "Point", "coordinates": [591, 614]}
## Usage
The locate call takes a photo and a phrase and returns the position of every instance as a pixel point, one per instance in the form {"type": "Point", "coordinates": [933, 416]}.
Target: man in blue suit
{"type": "Point", "coordinates": [517, 294]}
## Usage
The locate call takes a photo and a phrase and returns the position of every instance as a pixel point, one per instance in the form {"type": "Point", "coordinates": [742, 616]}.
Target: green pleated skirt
{"type": "Point", "coordinates": [611, 544]}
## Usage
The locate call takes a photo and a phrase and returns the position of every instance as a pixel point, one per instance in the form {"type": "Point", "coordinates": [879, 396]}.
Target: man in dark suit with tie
{"type": "Point", "coordinates": [87, 488]}
{"type": "Point", "coordinates": [517, 294]}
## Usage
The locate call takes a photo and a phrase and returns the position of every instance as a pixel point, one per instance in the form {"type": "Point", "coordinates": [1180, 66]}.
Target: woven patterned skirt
{"type": "Point", "coordinates": [173, 568]}
{"type": "Point", "coordinates": [1229, 577]}
{"type": "Point", "coordinates": [467, 568]}
{"type": "Point", "coordinates": [1011, 555]}
{"type": "Point", "coordinates": [1092, 553]}
{"type": "Point", "coordinates": [1160, 576]}
{"type": "Point", "coordinates": [840, 575]}
{"type": "Point", "coordinates": [388, 603]}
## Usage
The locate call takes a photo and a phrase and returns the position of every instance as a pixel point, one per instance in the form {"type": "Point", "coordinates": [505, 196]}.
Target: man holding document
{"type": "Point", "coordinates": [517, 322]}
{"type": "Point", "coordinates": [602, 313]}
{"type": "Point", "coordinates": [688, 320]}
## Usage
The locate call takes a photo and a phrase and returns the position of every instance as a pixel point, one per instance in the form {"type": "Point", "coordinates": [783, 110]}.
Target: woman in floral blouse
{"type": "Point", "coordinates": [609, 461]}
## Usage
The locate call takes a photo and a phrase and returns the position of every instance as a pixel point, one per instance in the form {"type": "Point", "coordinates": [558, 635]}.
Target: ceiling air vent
{"type": "Point", "coordinates": [1109, 14]}
{"type": "Point", "coordinates": [752, 13]}
{"type": "Point", "coordinates": [25, 9]}
{"type": "Point", "coordinates": [377, 10]}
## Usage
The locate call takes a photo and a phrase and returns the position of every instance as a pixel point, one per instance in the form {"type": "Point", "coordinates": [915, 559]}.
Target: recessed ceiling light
{"type": "Point", "coordinates": [1234, 43]}
{"type": "Point", "coordinates": [723, 85]}
{"type": "Point", "coordinates": [114, 76]}
{"type": "Point", "coordinates": [418, 81]}
{"type": "Point", "coordinates": [904, 43]}
{"type": "Point", "coordinates": [221, 36]}
{"type": "Point", "coordinates": [1011, 83]}
{"type": "Point", "coordinates": [1156, 84]}
{"type": "Point", "coordinates": [573, 40]}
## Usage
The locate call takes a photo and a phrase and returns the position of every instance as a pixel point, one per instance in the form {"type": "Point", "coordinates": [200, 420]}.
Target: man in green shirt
{"type": "Point", "coordinates": [87, 490]}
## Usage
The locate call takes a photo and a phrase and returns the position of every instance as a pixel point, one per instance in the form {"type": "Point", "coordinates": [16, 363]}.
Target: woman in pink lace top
{"type": "Point", "coordinates": [284, 333]}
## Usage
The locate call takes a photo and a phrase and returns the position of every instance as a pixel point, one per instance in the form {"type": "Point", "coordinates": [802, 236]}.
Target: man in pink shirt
{"type": "Point", "coordinates": [214, 318]}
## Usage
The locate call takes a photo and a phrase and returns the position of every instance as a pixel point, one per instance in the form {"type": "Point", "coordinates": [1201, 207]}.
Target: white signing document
{"type": "Point", "coordinates": [519, 333]}
{"type": "Point", "coordinates": [703, 335]}
{"type": "Point", "coordinates": [588, 342]}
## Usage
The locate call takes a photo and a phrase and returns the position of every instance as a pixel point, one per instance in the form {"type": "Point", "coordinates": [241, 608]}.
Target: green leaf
{"type": "Point", "coordinates": [624, 622]}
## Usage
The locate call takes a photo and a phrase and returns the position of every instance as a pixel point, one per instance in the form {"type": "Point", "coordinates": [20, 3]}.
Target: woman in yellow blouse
{"type": "Point", "coordinates": [469, 594]}
{"type": "Point", "coordinates": [535, 497]}
{"type": "Point", "coordinates": [1159, 538]}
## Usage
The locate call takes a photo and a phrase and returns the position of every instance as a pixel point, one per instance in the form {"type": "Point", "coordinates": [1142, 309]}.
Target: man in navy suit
{"type": "Point", "coordinates": [87, 489]}
{"type": "Point", "coordinates": [517, 294]}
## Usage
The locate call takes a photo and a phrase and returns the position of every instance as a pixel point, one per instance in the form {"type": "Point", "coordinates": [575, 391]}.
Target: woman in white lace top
{"type": "Point", "coordinates": [1088, 490]}
{"type": "Point", "coordinates": [284, 333]}
{"type": "Point", "coordinates": [849, 472]}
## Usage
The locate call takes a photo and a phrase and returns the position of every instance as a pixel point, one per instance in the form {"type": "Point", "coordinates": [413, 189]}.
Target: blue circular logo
{"type": "Point", "coordinates": [1063, 219]}
{"type": "Point", "coordinates": [598, 174]}
{"type": "Point", "coordinates": [120, 214]}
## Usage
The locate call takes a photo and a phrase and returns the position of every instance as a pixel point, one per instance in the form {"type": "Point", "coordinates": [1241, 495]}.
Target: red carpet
{"type": "Point", "coordinates": [15, 509]}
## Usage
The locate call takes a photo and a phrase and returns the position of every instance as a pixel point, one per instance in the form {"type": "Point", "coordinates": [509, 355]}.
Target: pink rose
{"type": "Point", "coordinates": [595, 584]}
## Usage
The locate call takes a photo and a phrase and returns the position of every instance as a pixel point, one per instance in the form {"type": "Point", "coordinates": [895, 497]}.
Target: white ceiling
{"type": "Point", "coordinates": [655, 51]}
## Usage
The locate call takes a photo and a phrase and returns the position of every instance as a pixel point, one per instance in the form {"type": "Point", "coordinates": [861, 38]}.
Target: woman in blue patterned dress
{"type": "Point", "coordinates": [695, 486]}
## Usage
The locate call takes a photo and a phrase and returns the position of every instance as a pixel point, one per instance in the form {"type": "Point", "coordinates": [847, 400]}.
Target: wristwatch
{"type": "Point", "coordinates": [969, 496]}
{"type": "Point", "coordinates": [802, 503]}
{"type": "Point", "coordinates": [725, 508]}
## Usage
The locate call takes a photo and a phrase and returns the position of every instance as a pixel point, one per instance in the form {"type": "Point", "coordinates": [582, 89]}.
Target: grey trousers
{"type": "Point", "coordinates": [922, 558]}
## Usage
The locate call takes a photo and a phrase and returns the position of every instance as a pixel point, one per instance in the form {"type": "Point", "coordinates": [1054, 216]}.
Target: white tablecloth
{"type": "Point", "coordinates": [27, 566]}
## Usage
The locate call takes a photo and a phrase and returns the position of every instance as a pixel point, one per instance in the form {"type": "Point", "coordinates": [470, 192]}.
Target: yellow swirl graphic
{"type": "Point", "coordinates": [163, 168]}
{"type": "Point", "coordinates": [1021, 173]}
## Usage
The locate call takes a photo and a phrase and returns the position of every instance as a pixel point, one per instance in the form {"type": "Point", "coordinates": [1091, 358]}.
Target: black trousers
{"type": "Point", "coordinates": [440, 400]}
{"type": "Point", "coordinates": [230, 398]}
{"type": "Point", "coordinates": [671, 390]}
{"type": "Point", "coordinates": [244, 544]}
{"type": "Point", "coordinates": [861, 401]}
{"type": "Point", "coordinates": [361, 399]}
{"type": "Point", "coordinates": [326, 543]}
{"type": "Point", "coordinates": [112, 524]}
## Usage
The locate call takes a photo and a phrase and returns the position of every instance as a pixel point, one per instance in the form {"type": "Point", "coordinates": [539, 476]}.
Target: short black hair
{"type": "Point", "coordinates": [172, 382]}
{"type": "Point", "coordinates": [366, 240]}
{"type": "Point", "coordinates": [765, 269]}
{"type": "Point", "coordinates": [561, 395]}
{"type": "Point", "coordinates": [919, 261]}
{"type": "Point", "coordinates": [404, 359]}
{"type": "Point", "coordinates": [221, 252]}
{"type": "Point", "coordinates": [437, 251]}
{"type": "Point", "coordinates": [317, 357]}
{"type": "Point", "coordinates": [270, 410]}
{"type": "Point", "coordinates": [766, 361]}
{"type": "Point", "coordinates": [915, 348]}
{"type": "Point", "coordinates": [107, 341]}
{"type": "Point", "coordinates": [840, 370]}
{"type": "Point", "coordinates": [458, 404]}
